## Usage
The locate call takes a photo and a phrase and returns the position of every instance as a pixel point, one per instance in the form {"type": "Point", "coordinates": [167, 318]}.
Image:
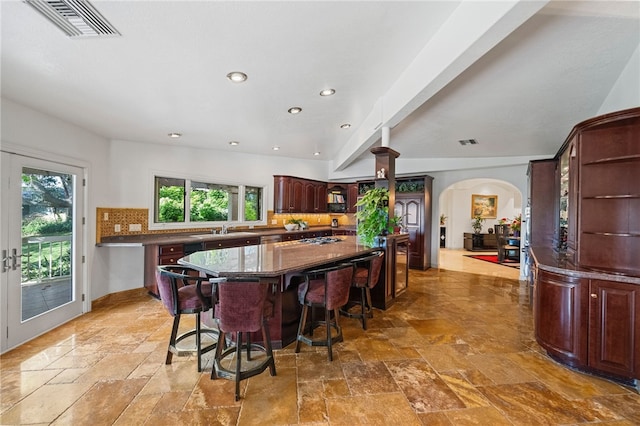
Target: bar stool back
{"type": "Point", "coordinates": [241, 308]}
{"type": "Point", "coordinates": [183, 291]}
{"type": "Point", "coordinates": [326, 288]}
{"type": "Point", "coordinates": [365, 277]}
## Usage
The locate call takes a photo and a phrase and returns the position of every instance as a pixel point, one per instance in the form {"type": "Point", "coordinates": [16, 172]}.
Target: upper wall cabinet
{"type": "Point", "coordinates": [297, 195]}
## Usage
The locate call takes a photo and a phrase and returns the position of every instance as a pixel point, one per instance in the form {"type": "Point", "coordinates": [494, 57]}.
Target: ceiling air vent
{"type": "Point", "coordinates": [77, 18]}
{"type": "Point", "coordinates": [465, 142]}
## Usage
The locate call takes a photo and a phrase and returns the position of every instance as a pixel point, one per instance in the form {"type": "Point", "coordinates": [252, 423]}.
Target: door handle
{"type": "Point", "coordinates": [5, 261]}
{"type": "Point", "coordinates": [14, 256]}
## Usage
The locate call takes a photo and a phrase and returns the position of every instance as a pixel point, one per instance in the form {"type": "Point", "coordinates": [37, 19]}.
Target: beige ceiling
{"type": "Point", "coordinates": [516, 76]}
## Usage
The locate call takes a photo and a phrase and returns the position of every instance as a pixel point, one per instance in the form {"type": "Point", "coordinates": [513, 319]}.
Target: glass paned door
{"type": "Point", "coordinates": [41, 246]}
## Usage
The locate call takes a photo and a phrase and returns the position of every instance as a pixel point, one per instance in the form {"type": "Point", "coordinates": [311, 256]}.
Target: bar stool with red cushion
{"type": "Point", "coordinates": [326, 288]}
{"type": "Point", "coordinates": [183, 291]}
{"type": "Point", "coordinates": [242, 307]}
{"type": "Point", "coordinates": [366, 275]}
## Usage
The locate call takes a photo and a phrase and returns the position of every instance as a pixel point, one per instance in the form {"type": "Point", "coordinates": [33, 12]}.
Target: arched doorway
{"type": "Point", "coordinates": [455, 203]}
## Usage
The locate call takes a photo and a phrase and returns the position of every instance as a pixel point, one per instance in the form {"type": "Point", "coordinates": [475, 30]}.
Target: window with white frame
{"type": "Point", "coordinates": [182, 201]}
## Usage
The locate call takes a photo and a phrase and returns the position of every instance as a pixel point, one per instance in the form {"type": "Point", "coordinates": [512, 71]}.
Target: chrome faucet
{"type": "Point", "coordinates": [226, 227]}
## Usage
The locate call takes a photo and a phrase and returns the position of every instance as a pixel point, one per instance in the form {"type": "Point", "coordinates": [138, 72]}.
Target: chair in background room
{"type": "Point", "coordinates": [365, 277]}
{"type": "Point", "coordinates": [242, 308]}
{"type": "Point", "coordinates": [183, 291]}
{"type": "Point", "coordinates": [506, 249]}
{"type": "Point", "coordinates": [328, 289]}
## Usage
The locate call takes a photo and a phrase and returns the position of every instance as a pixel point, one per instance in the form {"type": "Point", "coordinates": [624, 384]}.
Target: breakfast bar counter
{"type": "Point", "coordinates": [275, 259]}
{"type": "Point", "coordinates": [271, 263]}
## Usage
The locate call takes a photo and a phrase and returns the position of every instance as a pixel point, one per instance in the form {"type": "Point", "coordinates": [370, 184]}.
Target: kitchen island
{"type": "Point", "coordinates": [274, 263]}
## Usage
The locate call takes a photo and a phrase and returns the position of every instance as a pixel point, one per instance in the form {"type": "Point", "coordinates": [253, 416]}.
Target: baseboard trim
{"type": "Point", "coordinates": [119, 296]}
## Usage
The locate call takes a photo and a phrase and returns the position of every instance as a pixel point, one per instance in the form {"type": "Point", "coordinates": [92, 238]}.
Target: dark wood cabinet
{"type": "Point", "coordinates": [297, 195]}
{"type": "Point", "coordinates": [352, 197]}
{"type": "Point", "coordinates": [228, 243]}
{"type": "Point", "coordinates": [337, 198]}
{"type": "Point", "coordinates": [394, 276]}
{"type": "Point", "coordinates": [601, 200]}
{"type": "Point", "coordinates": [561, 316]}
{"type": "Point", "coordinates": [590, 324]}
{"type": "Point", "coordinates": [154, 255]}
{"type": "Point", "coordinates": [413, 207]}
{"type": "Point", "coordinates": [542, 208]}
{"type": "Point", "coordinates": [586, 314]}
{"type": "Point", "coordinates": [614, 328]}
{"type": "Point", "coordinates": [315, 197]}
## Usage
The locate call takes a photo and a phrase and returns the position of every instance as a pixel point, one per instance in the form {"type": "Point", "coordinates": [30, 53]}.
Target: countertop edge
{"type": "Point", "coordinates": [179, 238]}
{"type": "Point", "coordinates": [549, 260]}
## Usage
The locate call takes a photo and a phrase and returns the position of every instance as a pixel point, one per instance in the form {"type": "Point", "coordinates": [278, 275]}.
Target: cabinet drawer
{"type": "Point", "coordinates": [169, 259]}
{"type": "Point", "coordinates": [171, 249]}
{"type": "Point", "coordinates": [236, 242]}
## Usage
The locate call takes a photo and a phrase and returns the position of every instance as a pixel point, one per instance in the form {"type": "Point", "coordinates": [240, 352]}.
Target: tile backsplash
{"type": "Point", "coordinates": [113, 222]}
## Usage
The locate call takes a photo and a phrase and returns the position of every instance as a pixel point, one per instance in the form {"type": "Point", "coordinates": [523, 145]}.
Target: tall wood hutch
{"type": "Point", "coordinates": [586, 272]}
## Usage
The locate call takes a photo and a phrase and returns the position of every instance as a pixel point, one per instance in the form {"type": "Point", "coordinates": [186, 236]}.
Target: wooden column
{"type": "Point", "coordinates": [385, 173]}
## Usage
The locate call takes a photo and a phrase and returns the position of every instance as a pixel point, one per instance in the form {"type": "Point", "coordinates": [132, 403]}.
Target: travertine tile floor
{"type": "Point", "coordinates": [457, 349]}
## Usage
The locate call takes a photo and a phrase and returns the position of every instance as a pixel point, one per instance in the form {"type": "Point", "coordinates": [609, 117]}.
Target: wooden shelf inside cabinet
{"type": "Point", "coordinates": [612, 234]}
{"type": "Point", "coordinates": [610, 160]}
{"type": "Point", "coordinates": [611, 197]}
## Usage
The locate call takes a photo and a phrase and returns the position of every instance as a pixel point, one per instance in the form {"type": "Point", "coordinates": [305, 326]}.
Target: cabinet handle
{"type": "Point", "coordinates": [594, 296]}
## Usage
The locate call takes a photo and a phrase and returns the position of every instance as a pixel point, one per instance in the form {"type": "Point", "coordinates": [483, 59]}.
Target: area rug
{"type": "Point", "coordinates": [493, 258]}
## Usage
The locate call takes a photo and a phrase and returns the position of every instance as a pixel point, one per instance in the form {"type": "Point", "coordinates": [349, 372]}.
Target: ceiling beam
{"type": "Point", "coordinates": [472, 30]}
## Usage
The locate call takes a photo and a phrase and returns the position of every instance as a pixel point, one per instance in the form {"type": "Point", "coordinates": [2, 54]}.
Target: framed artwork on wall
{"type": "Point", "coordinates": [485, 206]}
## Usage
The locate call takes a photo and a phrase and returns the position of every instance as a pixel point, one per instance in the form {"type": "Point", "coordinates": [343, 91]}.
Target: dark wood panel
{"type": "Point", "coordinates": [610, 142]}
{"type": "Point", "coordinates": [607, 215]}
{"type": "Point", "coordinates": [610, 252]}
{"type": "Point", "coordinates": [610, 179]}
{"type": "Point", "coordinates": [614, 344]}
{"type": "Point", "coordinates": [561, 315]}
{"type": "Point", "coordinates": [542, 202]}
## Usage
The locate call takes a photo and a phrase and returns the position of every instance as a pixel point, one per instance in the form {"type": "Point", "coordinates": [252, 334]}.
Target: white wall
{"type": "Point", "coordinates": [133, 165]}
{"type": "Point", "coordinates": [29, 132]}
{"type": "Point", "coordinates": [625, 93]}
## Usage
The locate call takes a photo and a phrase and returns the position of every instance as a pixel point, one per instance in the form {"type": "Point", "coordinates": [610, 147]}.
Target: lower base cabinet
{"type": "Point", "coordinates": [614, 332]}
{"type": "Point", "coordinates": [589, 324]}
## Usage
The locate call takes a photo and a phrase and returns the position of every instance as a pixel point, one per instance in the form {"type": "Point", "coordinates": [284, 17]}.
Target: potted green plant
{"type": "Point", "coordinates": [476, 224]}
{"type": "Point", "coordinates": [373, 216]}
{"type": "Point", "coordinates": [293, 224]}
{"type": "Point", "coordinates": [443, 219]}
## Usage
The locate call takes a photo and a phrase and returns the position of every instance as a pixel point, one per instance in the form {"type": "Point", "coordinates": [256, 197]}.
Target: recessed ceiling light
{"type": "Point", "coordinates": [234, 143]}
{"type": "Point", "coordinates": [345, 125]}
{"type": "Point", "coordinates": [327, 92]}
{"type": "Point", "coordinates": [237, 76]}
{"type": "Point", "coordinates": [276, 148]}
{"type": "Point", "coordinates": [295, 110]}
{"type": "Point", "coordinates": [316, 153]}
{"type": "Point", "coordinates": [174, 135]}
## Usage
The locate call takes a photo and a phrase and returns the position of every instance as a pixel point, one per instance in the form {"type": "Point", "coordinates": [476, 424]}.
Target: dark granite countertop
{"type": "Point", "coordinates": [551, 260]}
{"type": "Point", "coordinates": [194, 237]}
{"type": "Point", "coordinates": [273, 260]}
